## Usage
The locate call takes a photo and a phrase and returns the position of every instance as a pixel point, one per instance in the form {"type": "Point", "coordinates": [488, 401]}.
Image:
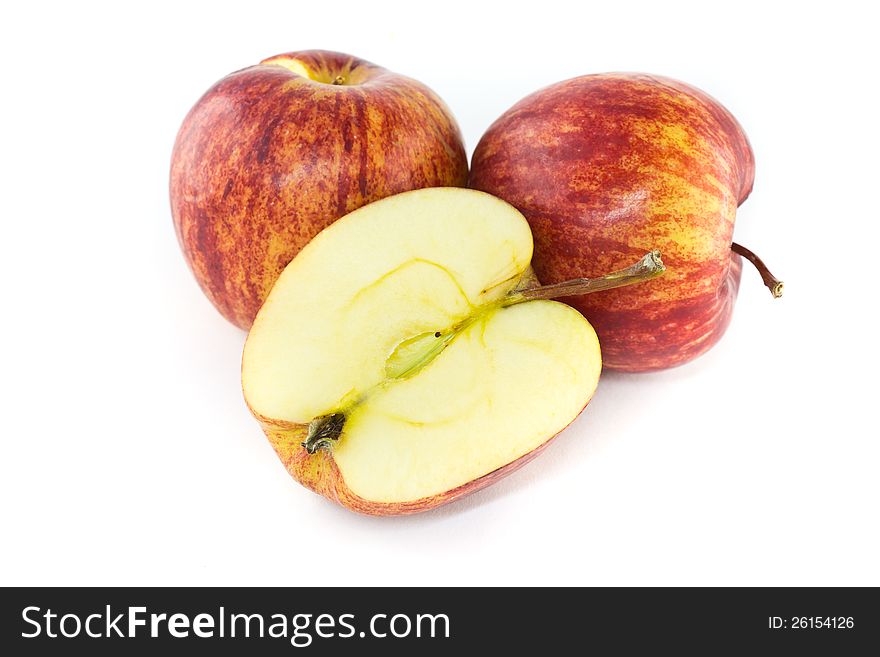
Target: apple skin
{"type": "Point", "coordinates": [268, 157]}
{"type": "Point", "coordinates": [319, 473]}
{"type": "Point", "coordinates": [606, 167]}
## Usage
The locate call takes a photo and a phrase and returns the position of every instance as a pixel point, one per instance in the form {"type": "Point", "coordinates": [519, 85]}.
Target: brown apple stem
{"type": "Point", "coordinates": [773, 284]}
{"type": "Point", "coordinates": [650, 266]}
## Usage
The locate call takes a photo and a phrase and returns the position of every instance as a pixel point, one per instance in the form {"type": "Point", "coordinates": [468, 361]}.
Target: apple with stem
{"type": "Point", "coordinates": [607, 166]}
{"type": "Point", "coordinates": [407, 355]}
{"type": "Point", "coordinates": [273, 153]}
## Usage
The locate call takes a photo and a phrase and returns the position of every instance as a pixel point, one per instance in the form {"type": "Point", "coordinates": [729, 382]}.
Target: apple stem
{"type": "Point", "coordinates": [650, 266]}
{"type": "Point", "coordinates": [773, 284]}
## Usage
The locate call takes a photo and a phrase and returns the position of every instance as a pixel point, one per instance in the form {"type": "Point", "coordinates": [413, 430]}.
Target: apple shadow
{"type": "Point", "coordinates": [603, 422]}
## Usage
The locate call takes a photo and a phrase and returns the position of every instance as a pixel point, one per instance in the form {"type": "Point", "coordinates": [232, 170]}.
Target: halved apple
{"type": "Point", "coordinates": [399, 363]}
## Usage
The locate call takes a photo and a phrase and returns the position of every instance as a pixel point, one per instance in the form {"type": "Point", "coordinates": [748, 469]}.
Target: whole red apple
{"type": "Point", "coordinates": [605, 167]}
{"type": "Point", "coordinates": [274, 153]}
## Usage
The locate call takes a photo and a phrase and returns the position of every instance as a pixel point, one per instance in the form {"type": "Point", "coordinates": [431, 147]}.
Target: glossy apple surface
{"type": "Point", "coordinates": [274, 153]}
{"type": "Point", "coordinates": [605, 167]}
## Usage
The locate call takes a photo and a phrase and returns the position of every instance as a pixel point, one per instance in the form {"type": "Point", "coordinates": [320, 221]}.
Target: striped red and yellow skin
{"type": "Point", "coordinates": [274, 153]}
{"type": "Point", "coordinates": [606, 167]}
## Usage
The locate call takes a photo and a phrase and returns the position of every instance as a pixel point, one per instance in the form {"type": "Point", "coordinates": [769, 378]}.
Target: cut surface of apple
{"type": "Point", "coordinates": [388, 366]}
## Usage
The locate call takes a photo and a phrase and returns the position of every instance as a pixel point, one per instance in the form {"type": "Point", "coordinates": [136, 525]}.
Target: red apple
{"type": "Point", "coordinates": [605, 167]}
{"type": "Point", "coordinates": [274, 153]}
{"type": "Point", "coordinates": [427, 366]}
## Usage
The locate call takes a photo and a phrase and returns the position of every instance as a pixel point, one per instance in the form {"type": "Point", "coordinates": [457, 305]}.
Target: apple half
{"type": "Point", "coordinates": [397, 364]}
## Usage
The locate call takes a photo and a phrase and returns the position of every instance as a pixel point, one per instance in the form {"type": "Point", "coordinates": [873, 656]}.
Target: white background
{"type": "Point", "coordinates": [128, 456]}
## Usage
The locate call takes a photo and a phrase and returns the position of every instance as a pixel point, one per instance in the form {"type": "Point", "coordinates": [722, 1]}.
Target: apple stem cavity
{"type": "Point", "coordinates": [650, 266]}
{"type": "Point", "coordinates": [773, 284]}
{"type": "Point", "coordinates": [323, 432]}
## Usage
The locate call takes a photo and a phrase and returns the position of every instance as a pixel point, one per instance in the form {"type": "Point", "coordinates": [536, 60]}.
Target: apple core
{"type": "Point", "coordinates": [406, 355]}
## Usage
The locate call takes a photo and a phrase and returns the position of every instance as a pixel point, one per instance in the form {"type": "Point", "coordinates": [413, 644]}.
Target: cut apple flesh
{"type": "Point", "coordinates": [388, 346]}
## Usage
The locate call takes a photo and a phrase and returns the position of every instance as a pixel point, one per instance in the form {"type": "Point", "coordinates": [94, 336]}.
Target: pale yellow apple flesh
{"type": "Point", "coordinates": [388, 340]}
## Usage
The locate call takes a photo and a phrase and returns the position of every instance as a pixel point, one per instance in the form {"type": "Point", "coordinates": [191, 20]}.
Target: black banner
{"type": "Point", "coordinates": [114, 621]}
